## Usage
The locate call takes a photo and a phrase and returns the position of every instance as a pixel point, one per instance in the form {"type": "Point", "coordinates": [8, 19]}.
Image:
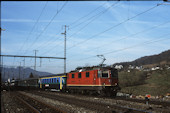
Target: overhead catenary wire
{"type": "Point", "coordinates": [86, 15]}
{"type": "Point", "coordinates": [48, 42]}
{"type": "Point", "coordinates": [46, 26]}
{"type": "Point", "coordinates": [91, 19]}
{"type": "Point", "coordinates": [33, 27]}
{"type": "Point", "coordinates": [95, 16]}
{"type": "Point", "coordinates": [131, 35]}
{"type": "Point", "coordinates": [113, 26]}
{"type": "Point", "coordinates": [125, 37]}
{"type": "Point", "coordinates": [28, 36]}
{"type": "Point", "coordinates": [110, 28]}
{"type": "Point", "coordinates": [133, 46]}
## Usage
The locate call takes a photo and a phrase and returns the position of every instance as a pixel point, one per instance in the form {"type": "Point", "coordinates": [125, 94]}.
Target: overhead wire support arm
{"type": "Point", "coordinates": [32, 56]}
{"type": "Point", "coordinates": [102, 57]}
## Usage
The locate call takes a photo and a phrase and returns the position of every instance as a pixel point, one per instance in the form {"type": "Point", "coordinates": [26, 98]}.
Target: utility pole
{"type": "Point", "coordinates": [35, 60]}
{"type": "Point", "coordinates": [19, 70]}
{"type": "Point", "coordinates": [24, 68]}
{"type": "Point", "coordinates": [65, 48]}
{"type": "Point", "coordinates": [0, 54]}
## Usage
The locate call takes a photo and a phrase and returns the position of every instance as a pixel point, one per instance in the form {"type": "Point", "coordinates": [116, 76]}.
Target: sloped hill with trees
{"type": "Point", "coordinates": [159, 59]}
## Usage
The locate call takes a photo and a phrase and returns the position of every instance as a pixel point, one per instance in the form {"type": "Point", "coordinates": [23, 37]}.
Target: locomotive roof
{"type": "Point", "coordinates": [90, 68]}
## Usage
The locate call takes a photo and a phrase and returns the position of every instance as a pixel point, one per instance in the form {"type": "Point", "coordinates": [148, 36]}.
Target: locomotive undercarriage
{"type": "Point", "coordinates": [97, 90]}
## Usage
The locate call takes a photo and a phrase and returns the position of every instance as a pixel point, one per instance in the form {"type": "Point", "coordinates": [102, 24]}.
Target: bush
{"type": "Point", "coordinates": [132, 78]}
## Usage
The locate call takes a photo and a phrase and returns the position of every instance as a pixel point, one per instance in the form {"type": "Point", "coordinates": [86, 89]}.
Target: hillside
{"type": "Point", "coordinates": [9, 72]}
{"type": "Point", "coordinates": [141, 83]}
{"type": "Point", "coordinates": [149, 61]}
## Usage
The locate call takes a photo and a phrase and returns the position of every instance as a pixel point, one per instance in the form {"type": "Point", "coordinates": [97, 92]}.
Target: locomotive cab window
{"type": "Point", "coordinates": [72, 75]}
{"type": "Point", "coordinates": [87, 74]}
{"type": "Point", "coordinates": [105, 74]}
{"type": "Point", "coordinates": [79, 75]}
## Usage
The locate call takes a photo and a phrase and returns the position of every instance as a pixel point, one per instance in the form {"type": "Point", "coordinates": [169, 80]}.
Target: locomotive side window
{"type": "Point", "coordinates": [79, 75]}
{"type": "Point", "coordinates": [72, 75]}
{"type": "Point", "coordinates": [87, 74]}
{"type": "Point", "coordinates": [99, 74]}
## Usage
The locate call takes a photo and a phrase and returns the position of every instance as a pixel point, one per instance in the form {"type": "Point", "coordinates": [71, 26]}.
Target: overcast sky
{"type": "Point", "coordinates": [121, 31]}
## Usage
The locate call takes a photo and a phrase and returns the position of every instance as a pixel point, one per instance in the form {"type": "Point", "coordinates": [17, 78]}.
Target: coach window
{"type": "Point", "coordinates": [79, 76]}
{"type": "Point", "coordinates": [72, 75]}
{"type": "Point", "coordinates": [87, 74]}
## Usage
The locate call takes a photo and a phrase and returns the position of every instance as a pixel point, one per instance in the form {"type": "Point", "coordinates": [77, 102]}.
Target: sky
{"type": "Point", "coordinates": [122, 31]}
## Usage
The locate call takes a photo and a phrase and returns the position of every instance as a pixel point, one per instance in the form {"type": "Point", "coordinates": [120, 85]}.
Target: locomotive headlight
{"type": "Point", "coordinates": [115, 84]}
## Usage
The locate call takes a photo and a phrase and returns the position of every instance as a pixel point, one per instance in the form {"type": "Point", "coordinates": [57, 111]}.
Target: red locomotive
{"type": "Point", "coordinates": [101, 80]}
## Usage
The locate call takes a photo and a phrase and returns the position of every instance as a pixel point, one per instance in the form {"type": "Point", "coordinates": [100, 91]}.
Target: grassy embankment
{"type": "Point", "coordinates": [140, 83]}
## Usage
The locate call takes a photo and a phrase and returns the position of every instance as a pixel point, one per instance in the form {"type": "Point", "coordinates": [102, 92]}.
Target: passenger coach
{"type": "Point", "coordinates": [53, 82]}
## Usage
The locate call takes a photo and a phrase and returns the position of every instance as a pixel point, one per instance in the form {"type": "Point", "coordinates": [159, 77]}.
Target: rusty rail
{"type": "Point", "coordinates": [28, 105]}
{"type": "Point", "coordinates": [45, 104]}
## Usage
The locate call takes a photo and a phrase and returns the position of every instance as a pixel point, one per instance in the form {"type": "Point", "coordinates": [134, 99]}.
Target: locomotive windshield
{"type": "Point", "coordinates": [105, 74]}
{"type": "Point", "coordinates": [108, 73]}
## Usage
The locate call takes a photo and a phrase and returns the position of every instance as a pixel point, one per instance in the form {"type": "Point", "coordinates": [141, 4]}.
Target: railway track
{"type": "Point", "coordinates": [154, 102]}
{"type": "Point", "coordinates": [96, 106]}
{"type": "Point", "coordinates": [163, 104]}
{"type": "Point", "coordinates": [35, 105]}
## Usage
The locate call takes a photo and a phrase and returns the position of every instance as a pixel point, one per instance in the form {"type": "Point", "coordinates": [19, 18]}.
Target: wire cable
{"type": "Point", "coordinates": [131, 35]}
{"type": "Point", "coordinates": [91, 19]}
{"type": "Point", "coordinates": [112, 27]}
{"type": "Point", "coordinates": [86, 15]}
{"type": "Point", "coordinates": [133, 46]}
{"type": "Point", "coordinates": [34, 26]}
{"type": "Point", "coordinates": [46, 27]}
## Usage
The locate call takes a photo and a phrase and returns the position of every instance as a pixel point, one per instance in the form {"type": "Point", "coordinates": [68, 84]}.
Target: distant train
{"type": "Point", "coordinates": [99, 80]}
